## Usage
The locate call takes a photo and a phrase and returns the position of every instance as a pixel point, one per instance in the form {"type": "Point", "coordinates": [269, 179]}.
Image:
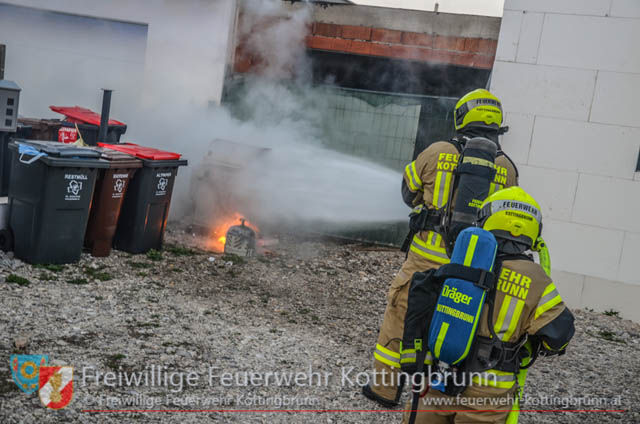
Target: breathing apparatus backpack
{"type": "Point", "coordinates": [449, 320]}
{"type": "Point", "coordinates": [472, 179]}
{"type": "Point", "coordinates": [446, 303]}
{"type": "Point", "coordinates": [443, 313]}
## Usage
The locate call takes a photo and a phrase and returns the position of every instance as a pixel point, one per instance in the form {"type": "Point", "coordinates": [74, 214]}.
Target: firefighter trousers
{"type": "Point", "coordinates": [385, 382]}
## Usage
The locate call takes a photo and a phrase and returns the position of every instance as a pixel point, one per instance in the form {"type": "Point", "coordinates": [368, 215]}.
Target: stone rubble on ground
{"type": "Point", "coordinates": [7, 261]}
{"type": "Point", "coordinates": [306, 305]}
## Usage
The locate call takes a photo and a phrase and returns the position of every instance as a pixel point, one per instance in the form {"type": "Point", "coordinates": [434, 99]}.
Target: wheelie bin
{"type": "Point", "coordinates": [145, 210]}
{"type": "Point", "coordinates": [110, 192]}
{"type": "Point", "coordinates": [87, 122]}
{"type": "Point", "coordinates": [49, 199]}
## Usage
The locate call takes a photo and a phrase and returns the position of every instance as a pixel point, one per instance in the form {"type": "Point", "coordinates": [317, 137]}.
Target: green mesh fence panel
{"type": "Point", "coordinates": [385, 128]}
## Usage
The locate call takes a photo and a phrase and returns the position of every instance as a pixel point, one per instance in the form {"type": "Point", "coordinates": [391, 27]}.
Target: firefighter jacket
{"type": "Point", "coordinates": [526, 302]}
{"type": "Point", "coordinates": [429, 179]}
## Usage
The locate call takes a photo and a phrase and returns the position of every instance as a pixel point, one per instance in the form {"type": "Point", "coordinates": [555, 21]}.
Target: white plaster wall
{"type": "Point", "coordinates": [166, 60]}
{"type": "Point", "coordinates": [182, 61]}
{"type": "Point", "coordinates": [60, 59]}
{"type": "Point", "coordinates": [568, 73]}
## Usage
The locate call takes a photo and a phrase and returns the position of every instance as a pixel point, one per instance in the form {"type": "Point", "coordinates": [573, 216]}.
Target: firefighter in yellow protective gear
{"type": "Point", "coordinates": [427, 183]}
{"type": "Point", "coordinates": [526, 308]}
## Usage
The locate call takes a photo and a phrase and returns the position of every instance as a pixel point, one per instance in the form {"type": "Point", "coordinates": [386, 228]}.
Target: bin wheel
{"type": "Point", "coordinates": [6, 240]}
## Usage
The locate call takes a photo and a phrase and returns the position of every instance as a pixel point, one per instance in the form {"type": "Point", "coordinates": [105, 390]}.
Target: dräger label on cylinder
{"type": "Point", "coordinates": [74, 187]}
{"type": "Point", "coordinates": [163, 183]}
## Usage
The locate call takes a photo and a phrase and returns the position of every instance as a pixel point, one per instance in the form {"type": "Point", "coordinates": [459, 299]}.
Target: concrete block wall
{"type": "Point", "coordinates": [568, 74]}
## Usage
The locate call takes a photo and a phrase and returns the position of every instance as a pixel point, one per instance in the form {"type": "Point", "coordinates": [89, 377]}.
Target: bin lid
{"type": "Point", "coordinates": [60, 154]}
{"type": "Point", "coordinates": [82, 114]}
{"type": "Point", "coordinates": [61, 150]}
{"type": "Point", "coordinates": [117, 158]}
{"type": "Point", "coordinates": [142, 152]}
{"type": "Point", "coordinates": [40, 123]}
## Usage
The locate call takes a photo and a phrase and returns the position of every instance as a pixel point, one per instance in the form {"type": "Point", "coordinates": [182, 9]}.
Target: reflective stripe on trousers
{"type": "Point", "coordinates": [409, 356]}
{"type": "Point", "coordinates": [495, 378]}
{"type": "Point", "coordinates": [387, 356]}
{"type": "Point", "coordinates": [430, 249]}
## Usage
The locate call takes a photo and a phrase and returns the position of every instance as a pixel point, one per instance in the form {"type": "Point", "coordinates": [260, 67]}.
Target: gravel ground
{"type": "Point", "coordinates": [304, 304]}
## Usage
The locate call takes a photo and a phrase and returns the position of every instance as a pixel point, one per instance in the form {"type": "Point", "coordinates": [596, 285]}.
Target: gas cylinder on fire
{"type": "Point", "coordinates": [241, 241]}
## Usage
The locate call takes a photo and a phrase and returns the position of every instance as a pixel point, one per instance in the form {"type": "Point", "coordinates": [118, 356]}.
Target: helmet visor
{"type": "Point", "coordinates": [513, 206]}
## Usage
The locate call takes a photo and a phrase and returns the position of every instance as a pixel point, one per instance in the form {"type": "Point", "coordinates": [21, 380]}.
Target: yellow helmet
{"type": "Point", "coordinates": [512, 214]}
{"type": "Point", "coordinates": [478, 108]}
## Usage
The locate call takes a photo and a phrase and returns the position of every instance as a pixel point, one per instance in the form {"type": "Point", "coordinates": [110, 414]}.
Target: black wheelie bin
{"type": "Point", "coordinates": [49, 199]}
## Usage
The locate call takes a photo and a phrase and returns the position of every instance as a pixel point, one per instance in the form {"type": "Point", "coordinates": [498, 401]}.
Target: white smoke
{"type": "Point", "coordinates": [298, 179]}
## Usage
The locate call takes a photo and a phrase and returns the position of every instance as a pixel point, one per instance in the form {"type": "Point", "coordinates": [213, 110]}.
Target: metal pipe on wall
{"type": "Point", "coordinates": [104, 118]}
{"type": "Point", "coordinates": [3, 51]}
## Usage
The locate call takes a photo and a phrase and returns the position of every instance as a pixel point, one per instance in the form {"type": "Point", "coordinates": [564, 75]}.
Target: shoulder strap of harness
{"type": "Point", "coordinates": [415, 395]}
{"type": "Point", "coordinates": [481, 278]}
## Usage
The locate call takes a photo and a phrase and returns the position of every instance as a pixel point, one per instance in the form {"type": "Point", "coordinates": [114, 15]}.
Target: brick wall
{"type": "Point", "coordinates": [473, 52]}
{"type": "Point", "coordinates": [371, 41]}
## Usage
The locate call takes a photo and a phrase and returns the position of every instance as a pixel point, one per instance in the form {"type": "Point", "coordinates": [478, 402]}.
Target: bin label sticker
{"type": "Point", "coordinates": [119, 185]}
{"type": "Point", "coordinates": [67, 135]}
{"type": "Point", "coordinates": [162, 187]}
{"type": "Point", "coordinates": [163, 182]}
{"type": "Point", "coordinates": [74, 187]}
{"type": "Point", "coordinates": [73, 190]}
{"type": "Point", "coordinates": [118, 188]}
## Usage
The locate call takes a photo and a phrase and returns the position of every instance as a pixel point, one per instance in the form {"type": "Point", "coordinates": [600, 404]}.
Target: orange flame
{"type": "Point", "coordinates": [218, 235]}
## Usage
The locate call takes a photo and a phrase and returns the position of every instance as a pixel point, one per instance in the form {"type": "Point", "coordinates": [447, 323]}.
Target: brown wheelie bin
{"type": "Point", "coordinates": [108, 196]}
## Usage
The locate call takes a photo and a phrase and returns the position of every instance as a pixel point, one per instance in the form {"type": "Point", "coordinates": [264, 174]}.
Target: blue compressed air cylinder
{"type": "Point", "coordinates": [459, 307]}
